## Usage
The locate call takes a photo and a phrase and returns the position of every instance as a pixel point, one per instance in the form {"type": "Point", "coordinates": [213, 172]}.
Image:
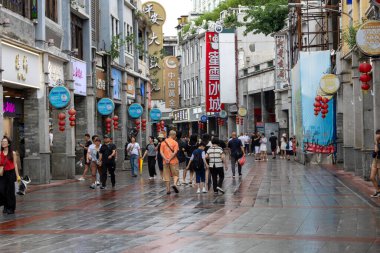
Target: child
{"type": "Point", "coordinates": [198, 158]}
{"type": "Point", "coordinates": [289, 149]}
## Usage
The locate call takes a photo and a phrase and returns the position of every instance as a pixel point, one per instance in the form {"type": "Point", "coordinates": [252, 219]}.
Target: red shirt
{"type": "Point", "coordinates": [4, 161]}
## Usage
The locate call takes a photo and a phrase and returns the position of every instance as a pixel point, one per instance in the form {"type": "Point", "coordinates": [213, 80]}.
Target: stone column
{"type": "Point", "coordinates": [376, 92]}
{"type": "Point", "coordinates": [367, 135]}
{"type": "Point", "coordinates": [123, 129]}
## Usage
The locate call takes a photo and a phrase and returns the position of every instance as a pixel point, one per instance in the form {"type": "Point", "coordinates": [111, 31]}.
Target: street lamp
{"type": "Point", "coordinates": [303, 5]}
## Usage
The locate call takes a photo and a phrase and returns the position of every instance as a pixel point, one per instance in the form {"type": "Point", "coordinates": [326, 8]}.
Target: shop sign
{"type": "Point", "coordinates": [223, 114]}
{"type": "Point", "coordinates": [171, 77]}
{"type": "Point", "coordinates": [368, 38]}
{"type": "Point", "coordinates": [59, 97]}
{"type": "Point", "coordinates": [135, 111]}
{"type": "Point", "coordinates": [281, 61]}
{"type": "Point", "coordinates": [242, 112]}
{"type": "Point", "coordinates": [100, 83]}
{"type": "Point", "coordinates": [106, 106]}
{"type": "Point", "coordinates": [116, 83]}
{"type": "Point", "coordinates": [131, 87]}
{"type": "Point", "coordinates": [155, 114]}
{"type": "Point", "coordinates": [203, 118]}
{"type": "Point", "coordinates": [79, 77]}
{"type": "Point", "coordinates": [181, 115]}
{"type": "Point", "coordinates": [56, 75]}
{"type": "Point", "coordinates": [329, 84]}
{"type": "Point", "coordinates": [213, 103]}
{"type": "Point", "coordinates": [23, 67]}
{"type": "Point", "coordinates": [12, 107]}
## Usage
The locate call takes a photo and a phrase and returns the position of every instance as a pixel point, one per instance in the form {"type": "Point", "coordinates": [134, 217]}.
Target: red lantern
{"type": "Point", "coordinates": [365, 67]}
{"type": "Point", "coordinates": [61, 123]}
{"type": "Point", "coordinates": [72, 112]}
{"type": "Point", "coordinates": [325, 106]}
{"type": "Point", "coordinates": [108, 125]}
{"type": "Point", "coordinates": [72, 118]}
{"type": "Point", "coordinates": [115, 118]}
{"type": "Point", "coordinates": [61, 128]}
{"type": "Point", "coordinates": [325, 111]}
{"type": "Point", "coordinates": [317, 104]}
{"type": "Point", "coordinates": [72, 123]}
{"type": "Point", "coordinates": [318, 98]}
{"type": "Point", "coordinates": [241, 121]}
{"type": "Point", "coordinates": [325, 100]}
{"type": "Point", "coordinates": [365, 78]}
{"type": "Point", "coordinates": [162, 122]}
{"type": "Point", "coordinates": [316, 113]}
{"type": "Point", "coordinates": [143, 121]}
{"type": "Point", "coordinates": [108, 120]}
{"type": "Point", "coordinates": [115, 123]}
{"type": "Point", "coordinates": [365, 86]}
{"type": "Point", "coordinates": [61, 116]}
{"type": "Point", "coordinates": [317, 109]}
{"type": "Point", "coordinates": [323, 116]}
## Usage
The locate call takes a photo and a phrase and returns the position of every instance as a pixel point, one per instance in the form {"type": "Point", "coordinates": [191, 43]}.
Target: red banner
{"type": "Point", "coordinates": [212, 73]}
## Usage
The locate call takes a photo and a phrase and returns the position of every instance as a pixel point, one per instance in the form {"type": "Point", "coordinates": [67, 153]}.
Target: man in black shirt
{"type": "Point", "coordinates": [85, 150]}
{"type": "Point", "coordinates": [237, 151]}
{"type": "Point", "coordinates": [273, 144]}
{"type": "Point", "coordinates": [107, 156]}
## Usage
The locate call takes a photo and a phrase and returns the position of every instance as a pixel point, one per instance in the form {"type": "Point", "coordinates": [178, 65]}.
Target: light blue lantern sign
{"type": "Point", "coordinates": [59, 97]}
{"type": "Point", "coordinates": [135, 111]}
{"type": "Point", "coordinates": [155, 114]}
{"type": "Point", "coordinates": [204, 119]}
{"type": "Point", "coordinates": [106, 106]}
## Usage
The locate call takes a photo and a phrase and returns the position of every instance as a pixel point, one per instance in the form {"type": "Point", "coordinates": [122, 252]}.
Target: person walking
{"type": "Point", "coordinates": [256, 144]}
{"type": "Point", "coordinates": [263, 147]}
{"type": "Point", "coordinates": [134, 151]}
{"type": "Point", "coordinates": [98, 173]}
{"type": "Point", "coordinates": [198, 159]}
{"type": "Point", "coordinates": [8, 177]}
{"type": "Point", "coordinates": [289, 149]}
{"type": "Point", "coordinates": [191, 146]}
{"type": "Point", "coordinates": [94, 159]}
{"type": "Point", "coordinates": [107, 156]}
{"type": "Point", "coordinates": [273, 144]}
{"type": "Point", "coordinates": [237, 151]}
{"type": "Point", "coordinates": [216, 157]}
{"type": "Point", "coordinates": [151, 152]}
{"type": "Point", "coordinates": [159, 156]}
{"type": "Point", "coordinates": [283, 144]}
{"type": "Point", "coordinates": [181, 155]}
{"type": "Point", "coordinates": [375, 168]}
{"type": "Point", "coordinates": [169, 150]}
{"type": "Point", "coordinates": [87, 144]}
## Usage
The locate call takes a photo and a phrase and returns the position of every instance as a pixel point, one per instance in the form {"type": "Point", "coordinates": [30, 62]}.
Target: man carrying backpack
{"type": "Point", "coordinates": [198, 159]}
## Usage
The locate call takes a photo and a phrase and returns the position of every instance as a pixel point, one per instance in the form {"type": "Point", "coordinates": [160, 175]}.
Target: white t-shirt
{"type": "Point", "coordinates": [135, 148]}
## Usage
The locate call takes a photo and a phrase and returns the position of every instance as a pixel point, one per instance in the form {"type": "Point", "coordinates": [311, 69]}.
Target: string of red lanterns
{"type": "Point", "coordinates": [365, 68]}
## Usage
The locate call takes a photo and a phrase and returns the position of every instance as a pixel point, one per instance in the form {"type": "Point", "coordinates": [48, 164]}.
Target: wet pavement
{"type": "Point", "coordinates": [277, 206]}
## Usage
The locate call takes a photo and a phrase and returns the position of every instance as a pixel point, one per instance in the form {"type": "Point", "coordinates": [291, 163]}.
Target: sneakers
{"type": "Point", "coordinates": [102, 187]}
{"type": "Point", "coordinates": [199, 190]}
{"type": "Point", "coordinates": [204, 190]}
{"type": "Point", "coordinates": [175, 189]}
{"type": "Point", "coordinates": [151, 178]}
{"type": "Point", "coordinates": [220, 189]}
{"type": "Point", "coordinates": [233, 176]}
{"type": "Point", "coordinates": [376, 195]}
{"type": "Point", "coordinates": [81, 179]}
{"type": "Point", "coordinates": [93, 186]}
{"type": "Point", "coordinates": [97, 183]}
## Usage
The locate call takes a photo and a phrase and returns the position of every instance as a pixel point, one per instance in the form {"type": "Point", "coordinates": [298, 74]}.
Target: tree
{"type": "Point", "coordinates": [266, 17]}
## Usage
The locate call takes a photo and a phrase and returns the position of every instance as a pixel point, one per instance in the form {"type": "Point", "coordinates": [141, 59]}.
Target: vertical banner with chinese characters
{"type": "Point", "coordinates": [281, 62]}
{"type": "Point", "coordinates": [171, 79]}
{"type": "Point", "coordinates": [212, 73]}
{"type": "Point", "coordinates": [228, 67]}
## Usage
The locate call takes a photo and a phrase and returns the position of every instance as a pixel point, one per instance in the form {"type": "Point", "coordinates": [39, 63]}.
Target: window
{"type": "Point", "coordinates": [77, 35]}
{"type": "Point", "coordinates": [257, 67]}
{"type": "Point", "coordinates": [188, 89]}
{"type": "Point", "coordinates": [169, 50]}
{"type": "Point", "coordinates": [25, 8]}
{"type": "Point", "coordinates": [51, 10]}
{"type": "Point", "coordinates": [270, 64]}
{"type": "Point", "coordinates": [196, 87]}
{"type": "Point", "coordinates": [184, 90]}
{"type": "Point", "coordinates": [196, 52]}
{"type": "Point", "coordinates": [129, 33]}
{"type": "Point", "coordinates": [114, 26]}
{"type": "Point", "coordinates": [192, 88]}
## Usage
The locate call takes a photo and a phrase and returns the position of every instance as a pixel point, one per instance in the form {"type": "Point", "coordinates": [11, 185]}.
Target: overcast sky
{"type": "Point", "coordinates": [174, 9]}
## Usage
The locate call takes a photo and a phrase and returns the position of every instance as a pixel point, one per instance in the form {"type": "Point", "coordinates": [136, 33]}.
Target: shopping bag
{"type": "Point", "coordinates": [141, 161]}
{"type": "Point", "coordinates": [22, 186]}
{"type": "Point", "coordinates": [241, 161]}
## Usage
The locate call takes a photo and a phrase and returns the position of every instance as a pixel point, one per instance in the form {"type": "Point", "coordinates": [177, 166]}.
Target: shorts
{"type": "Point", "coordinates": [200, 176]}
{"type": "Point", "coordinates": [170, 170]}
{"type": "Point", "coordinates": [289, 152]}
{"type": "Point", "coordinates": [376, 163]}
{"type": "Point", "coordinates": [274, 149]}
{"type": "Point", "coordinates": [257, 149]}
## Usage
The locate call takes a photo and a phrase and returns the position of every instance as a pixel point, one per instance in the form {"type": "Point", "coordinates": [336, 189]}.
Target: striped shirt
{"type": "Point", "coordinates": [215, 156]}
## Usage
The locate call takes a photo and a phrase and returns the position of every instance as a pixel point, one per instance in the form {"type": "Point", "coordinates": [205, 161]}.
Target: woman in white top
{"type": "Point", "coordinates": [216, 158]}
{"type": "Point", "coordinates": [263, 148]}
{"type": "Point", "coordinates": [134, 152]}
{"type": "Point", "coordinates": [95, 159]}
{"type": "Point", "coordinates": [283, 145]}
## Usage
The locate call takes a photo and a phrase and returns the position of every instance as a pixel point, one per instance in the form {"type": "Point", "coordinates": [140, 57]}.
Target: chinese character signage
{"type": "Point", "coordinates": [157, 16]}
{"type": "Point", "coordinates": [281, 64]}
{"type": "Point", "coordinates": [79, 77]}
{"type": "Point", "coordinates": [213, 103]}
{"type": "Point", "coordinates": [130, 87]}
{"type": "Point", "coordinates": [101, 88]}
{"type": "Point", "coordinates": [56, 75]}
{"type": "Point", "coordinates": [171, 80]}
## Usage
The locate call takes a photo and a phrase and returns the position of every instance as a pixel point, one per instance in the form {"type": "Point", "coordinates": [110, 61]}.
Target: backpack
{"type": "Point", "coordinates": [198, 163]}
{"type": "Point", "coordinates": [180, 154]}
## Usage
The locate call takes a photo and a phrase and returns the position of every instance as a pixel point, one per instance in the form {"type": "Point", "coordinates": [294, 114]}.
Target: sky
{"type": "Point", "coordinates": [174, 9]}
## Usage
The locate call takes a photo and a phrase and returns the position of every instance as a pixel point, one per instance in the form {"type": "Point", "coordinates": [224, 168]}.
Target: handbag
{"type": "Point", "coordinates": [242, 160]}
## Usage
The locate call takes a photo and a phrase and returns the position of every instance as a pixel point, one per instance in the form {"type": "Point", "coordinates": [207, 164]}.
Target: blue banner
{"type": "Point", "coordinates": [135, 111]}
{"type": "Point", "coordinates": [59, 97]}
{"type": "Point", "coordinates": [155, 114]}
{"type": "Point", "coordinates": [106, 106]}
{"type": "Point", "coordinates": [116, 82]}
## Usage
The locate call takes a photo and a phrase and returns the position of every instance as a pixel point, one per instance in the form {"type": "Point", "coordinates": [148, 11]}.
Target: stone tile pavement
{"type": "Point", "coordinates": [277, 206]}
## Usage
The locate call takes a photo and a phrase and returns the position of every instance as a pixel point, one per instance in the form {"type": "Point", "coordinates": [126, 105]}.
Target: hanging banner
{"type": "Point", "coordinates": [171, 81]}
{"type": "Point", "coordinates": [135, 111]}
{"type": "Point", "coordinates": [130, 87]}
{"type": "Point", "coordinates": [59, 97]}
{"type": "Point", "coordinates": [227, 68]}
{"type": "Point", "coordinates": [155, 114]}
{"type": "Point", "coordinates": [318, 130]}
{"type": "Point", "coordinates": [106, 106]}
{"type": "Point", "coordinates": [213, 103]}
{"type": "Point", "coordinates": [79, 77]}
{"type": "Point", "coordinates": [116, 83]}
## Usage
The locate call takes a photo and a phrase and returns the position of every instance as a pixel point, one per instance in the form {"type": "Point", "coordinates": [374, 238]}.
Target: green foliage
{"type": "Point", "coordinates": [349, 35]}
{"type": "Point", "coordinates": [186, 28]}
{"type": "Point", "coordinates": [267, 18]}
{"type": "Point", "coordinates": [116, 44]}
{"type": "Point", "coordinates": [231, 21]}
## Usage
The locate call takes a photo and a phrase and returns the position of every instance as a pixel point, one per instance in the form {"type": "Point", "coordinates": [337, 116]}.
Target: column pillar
{"type": "Point", "coordinates": [376, 92]}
